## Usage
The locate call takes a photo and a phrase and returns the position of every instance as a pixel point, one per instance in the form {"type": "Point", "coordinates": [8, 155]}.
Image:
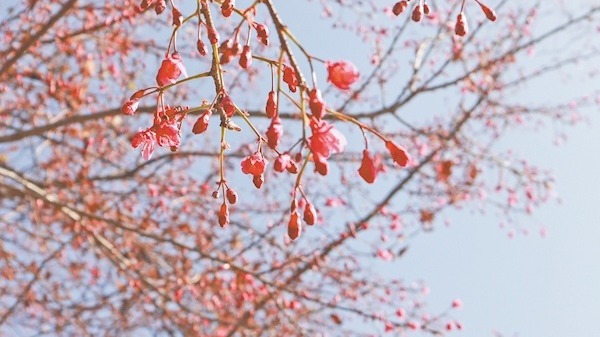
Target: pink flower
{"type": "Point", "coordinates": [385, 255]}
{"type": "Point", "coordinates": [170, 70]}
{"type": "Point", "coordinates": [342, 74]}
{"type": "Point", "coordinates": [167, 134]}
{"type": "Point", "coordinates": [147, 139]}
{"type": "Point", "coordinates": [255, 165]}
{"type": "Point", "coordinates": [325, 140]}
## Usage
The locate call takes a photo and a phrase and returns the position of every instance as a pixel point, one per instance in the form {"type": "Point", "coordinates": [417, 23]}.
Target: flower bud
{"type": "Point", "coordinates": [294, 226]}
{"type": "Point", "coordinates": [231, 196]}
{"type": "Point", "coordinates": [258, 181]}
{"type": "Point", "coordinates": [322, 166]}
{"type": "Point", "coordinates": [160, 7]}
{"type": "Point", "coordinates": [367, 168]}
{"type": "Point", "coordinates": [316, 103]}
{"type": "Point", "coordinates": [490, 14]}
{"type": "Point", "coordinates": [145, 4]}
{"type": "Point", "coordinates": [274, 132]}
{"type": "Point", "coordinates": [130, 107]}
{"type": "Point", "coordinates": [461, 27]}
{"type": "Point", "coordinates": [246, 57]}
{"type": "Point", "coordinates": [292, 167]}
{"type": "Point", "coordinates": [310, 214]}
{"type": "Point", "coordinates": [271, 107]}
{"type": "Point", "coordinates": [417, 13]}
{"type": "Point", "coordinates": [202, 123]}
{"type": "Point", "coordinates": [290, 78]}
{"type": "Point", "coordinates": [227, 8]}
{"type": "Point", "coordinates": [201, 47]}
{"type": "Point", "coordinates": [213, 35]}
{"type": "Point", "coordinates": [426, 9]}
{"type": "Point", "coordinates": [177, 17]}
{"type": "Point", "coordinates": [398, 153]}
{"type": "Point", "coordinates": [223, 215]}
{"type": "Point", "coordinates": [228, 106]}
{"type": "Point", "coordinates": [342, 74]}
{"type": "Point", "coordinates": [399, 7]}
{"type": "Point", "coordinates": [263, 33]}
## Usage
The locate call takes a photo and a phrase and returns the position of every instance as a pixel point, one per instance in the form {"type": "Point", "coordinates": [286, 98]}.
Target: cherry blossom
{"type": "Point", "coordinates": [325, 139]}
{"type": "Point", "coordinates": [342, 74]}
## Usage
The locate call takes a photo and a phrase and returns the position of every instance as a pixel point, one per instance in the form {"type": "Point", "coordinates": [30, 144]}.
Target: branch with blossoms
{"type": "Point", "coordinates": [141, 245]}
{"type": "Point", "coordinates": [324, 139]}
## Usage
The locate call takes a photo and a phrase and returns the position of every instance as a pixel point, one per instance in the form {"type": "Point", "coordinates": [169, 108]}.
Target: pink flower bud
{"type": "Point", "coordinates": [202, 123]}
{"type": "Point", "coordinates": [294, 226]}
{"type": "Point", "coordinates": [399, 7]}
{"type": "Point", "coordinates": [130, 107]}
{"type": "Point", "coordinates": [271, 107]}
{"type": "Point", "coordinates": [316, 103]}
{"type": "Point", "coordinates": [417, 13]}
{"type": "Point", "coordinates": [367, 169]}
{"type": "Point", "coordinates": [246, 57]}
{"type": "Point", "coordinates": [228, 106]}
{"type": "Point", "coordinates": [310, 214]}
{"type": "Point", "coordinates": [223, 215]}
{"type": "Point", "coordinates": [461, 27]}
{"type": "Point", "coordinates": [263, 33]}
{"type": "Point", "coordinates": [274, 132]}
{"type": "Point", "coordinates": [398, 153]}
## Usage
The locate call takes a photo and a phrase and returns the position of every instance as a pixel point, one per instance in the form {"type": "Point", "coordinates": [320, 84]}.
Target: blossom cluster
{"type": "Point", "coordinates": [323, 142]}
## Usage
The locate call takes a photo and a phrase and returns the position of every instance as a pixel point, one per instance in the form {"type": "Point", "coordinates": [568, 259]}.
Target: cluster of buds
{"type": "Point", "coordinates": [323, 141]}
{"type": "Point", "coordinates": [230, 196]}
{"type": "Point", "coordinates": [421, 8]}
{"type": "Point", "coordinates": [460, 27]}
{"type": "Point", "coordinates": [309, 216]}
{"type": "Point", "coordinates": [229, 49]}
{"type": "Point", "coordinates": [159, 6]}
